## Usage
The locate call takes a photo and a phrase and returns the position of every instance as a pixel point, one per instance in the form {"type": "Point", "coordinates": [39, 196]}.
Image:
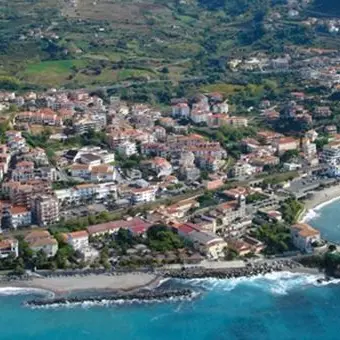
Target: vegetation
{"type": "Point", "coordinates": [276, 238]}
{"type": "Point", "coordinates": [162, 239]}
{"type": "Point", "coordinates": [291, 210]}
{"type": "Point", "coordinates": [255, 197]}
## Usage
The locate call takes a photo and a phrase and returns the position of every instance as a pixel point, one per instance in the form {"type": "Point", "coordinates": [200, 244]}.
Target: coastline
{"type": "Point", "coordinates": [319, 200]}
{"type": "Point", "coordinates": [93, 283]}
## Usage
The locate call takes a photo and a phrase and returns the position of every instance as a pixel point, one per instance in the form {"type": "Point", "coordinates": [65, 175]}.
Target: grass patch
{"type": "Point", "coordinates": [226, 89]}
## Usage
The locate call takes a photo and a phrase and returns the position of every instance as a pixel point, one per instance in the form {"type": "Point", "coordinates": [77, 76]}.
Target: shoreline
{"type": "Point", "coordinates": [59, 286]}
{"type": "Point", "coordinates": [319, 200]}
{"type": "Point", "coordinates": [49, 287]}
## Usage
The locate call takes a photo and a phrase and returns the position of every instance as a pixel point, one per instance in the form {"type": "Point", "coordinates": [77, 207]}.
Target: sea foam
{"type": "Point", "coordinates": [278, 283]}
{"type": "Point", "coordinates": [8, 291]}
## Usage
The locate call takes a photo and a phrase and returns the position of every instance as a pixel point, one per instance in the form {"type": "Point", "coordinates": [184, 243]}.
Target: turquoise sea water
{"type": "Point", "coordinates": [277, 306]}
{"type": "Point", "coordinates": [327, 220]}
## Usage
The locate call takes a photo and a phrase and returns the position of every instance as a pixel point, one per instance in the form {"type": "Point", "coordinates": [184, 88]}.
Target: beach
{"type": "Point", "coordinates": [72, 284]}
{"type": "Point", "coordinates": [320, 199]}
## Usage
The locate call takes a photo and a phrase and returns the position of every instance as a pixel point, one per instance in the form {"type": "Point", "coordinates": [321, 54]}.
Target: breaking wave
{"type": "Point", "coordinates": [278, 283]}
{"type": "Point", "coordinates": [310, 215]}
{"type": "Point", "coordinates": [9, 291]}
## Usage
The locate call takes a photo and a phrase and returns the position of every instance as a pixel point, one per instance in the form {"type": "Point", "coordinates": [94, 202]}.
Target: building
{"type": "Point", "coordinates": [309, 149]}
{"type": "Point", "coordinates": [8, 247]}
{"type": "Point", "coordinates": [127, 149]}
{"type": "Point", "coordinates": [303, 237]}
{"type": "Point", "coordinates": [41, 240]}
{"type": "Point", "coordinates": [142, 195]}
{"type": "Point", "coordinates": [136, 225]}
{"type": "Point", "coordinates": [45, 209]}
{"type": "Point", "coordinates": [78, 240]}
{"type": "Point", "coordinates": [19, 216]}
{"type": "Point", "coordinates": [230, 211]}
{"type": "Point", "coordinates": [181, 110]}
{"type": "Point", "coordinates": [331, 153]}
{"type": "Point", "coordinates": [285, 144]}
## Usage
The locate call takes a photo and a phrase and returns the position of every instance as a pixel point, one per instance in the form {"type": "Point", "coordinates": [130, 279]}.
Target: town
{"type": "Point", "coordinates": [101, 182]}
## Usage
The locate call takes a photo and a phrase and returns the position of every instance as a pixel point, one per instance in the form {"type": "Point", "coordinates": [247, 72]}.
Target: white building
{"type": "Point", "coordinates": [181, 110]}
{"type": "Point", "coordinates": [127, 149]}
{"type": "Point", "coordinates": [78, 240]}
{"type": "Point", "coordinates": [331, 153]}
{"type": "Point", "coordinates": [303, 237]}
{"type": "Point", "coordinates": [7, 247]}
{"type": "Point", "coordinates": [19, 217]}
{"type": "Point", "coordinates": [141, 195]}
{"type": "Point", "coordinates": [41, 240]}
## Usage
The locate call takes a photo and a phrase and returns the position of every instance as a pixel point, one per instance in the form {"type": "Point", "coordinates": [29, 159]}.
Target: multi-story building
{"type": "Point", "coordinates": [78, 240]}
{"type": "Point", "coordinates": [181, 110]}
{"type": "Point", "coordinates": [230, 211]}
{"type": "Point", "coordinates": [45, 209]}
{"type": "Point", "coordinates": [8, 247]}
{"type": "Point", "coordinates": [285, 144]}
{"type": "Point", "coordinates": [141, 195]}
{"type": "Point", "coordinates": [41, 240]}
{"type": "Point", "coordinates": [309, 149]}
{"type": "Point", "coordinates": [127, 149]}
{"type": "Point", "coordinates": [331, 153]}
{"type": "Point", "coordinates": [21, 194]}
{"type": "Point", "coordinates": [303, 236]}
{"type": "Point", "coordinates": [18, 216]}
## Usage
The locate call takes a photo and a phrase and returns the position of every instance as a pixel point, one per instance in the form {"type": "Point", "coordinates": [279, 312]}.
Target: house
{"type": "Point", "coordinates": [141, 195]}
{"type": "Point", "coordinates": [268, 137]}
{"type": "Point", "coordinates": [80, 170]}
{"type": "Point", "coordinates": [160, 166]}
{"type": "Point", "coordinates": [322, 112]}
{"type": "Point", "coordinates": [41, 240]}
{"type": "Point", "coordinates": [206, 242]}
{"type": "Point", "coordinates": [136, 224]}
{"type": "Point", "coordinates": [181, 110]}
{"type": "Point", "coordinates": [78, 240]}
{"type": "Point", "coordinates": [19, 216]}
{"type": "Point", "coordinates": [8, 247]}
{"type": "Point", "coordinates": [103, 173]}
{"type": "Point", "coordinates": [285, 144]}
{"type": "Point", "coordinates": [303, 236]}
{"type": "Point", "coordinates": [90, 159]}
{"type": "Point", "coordinates": [127, 149]}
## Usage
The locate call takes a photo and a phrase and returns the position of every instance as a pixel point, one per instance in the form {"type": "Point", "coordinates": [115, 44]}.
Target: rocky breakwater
{"type": "Point", "coordinates": [143, 296]}
{"type": "Point", "coordinates": [229, 273]}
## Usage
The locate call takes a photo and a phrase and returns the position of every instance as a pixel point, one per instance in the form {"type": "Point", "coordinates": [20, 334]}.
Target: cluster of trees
{"type": "Point", "coordinates": [66, 257]}
{"type": "Point", "coordinates": [276, 238]}
{"type": "Point", "coordinates": [255, 197]}
{"type": "Point", "coordinates": [160, 238]}
{"type": "Point", "coordinates": [290, 210]}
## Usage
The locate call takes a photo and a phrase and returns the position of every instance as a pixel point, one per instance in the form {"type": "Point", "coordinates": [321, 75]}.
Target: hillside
{"type": "Point", "coordinates": [78, 43]}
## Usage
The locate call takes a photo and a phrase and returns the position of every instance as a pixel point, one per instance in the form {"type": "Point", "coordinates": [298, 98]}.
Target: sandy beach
{"type": "Point", "coordinates": [64, 285]}
{"type": "Point", "coordinates": [321, 198]}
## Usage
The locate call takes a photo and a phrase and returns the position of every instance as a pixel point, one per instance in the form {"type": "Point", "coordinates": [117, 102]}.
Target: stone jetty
{"type": "Point", "coordinates": [140, 296]}
{"type": "Point", "coordinates": [229, 273]}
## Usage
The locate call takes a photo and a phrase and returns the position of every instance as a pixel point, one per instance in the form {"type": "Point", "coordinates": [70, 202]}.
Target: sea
{"type": "Point", "coordinates": [274, 306]}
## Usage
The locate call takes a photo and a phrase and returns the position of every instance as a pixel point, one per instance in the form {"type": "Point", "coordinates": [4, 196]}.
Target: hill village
{"type": "Point", "coordinates": [107, 182]}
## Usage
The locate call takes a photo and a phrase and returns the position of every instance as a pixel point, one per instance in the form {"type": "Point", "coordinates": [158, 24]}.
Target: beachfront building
{"type": "Point", "coordinates": [303, 237]}
{"type": "Point", "coordinates": [78, 240]}
{"type": "Point", "coordinates": [42, 240]}
{"type": "Point", "coordinates": [8, 247]}
{"type": "Point", "coordinates": [331, 153]}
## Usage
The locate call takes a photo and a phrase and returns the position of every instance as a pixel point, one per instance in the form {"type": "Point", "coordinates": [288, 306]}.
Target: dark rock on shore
{"type": "Point", "coordinates": [141, 296]}
{"type": "Point", "coordinates": [229, 273]}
